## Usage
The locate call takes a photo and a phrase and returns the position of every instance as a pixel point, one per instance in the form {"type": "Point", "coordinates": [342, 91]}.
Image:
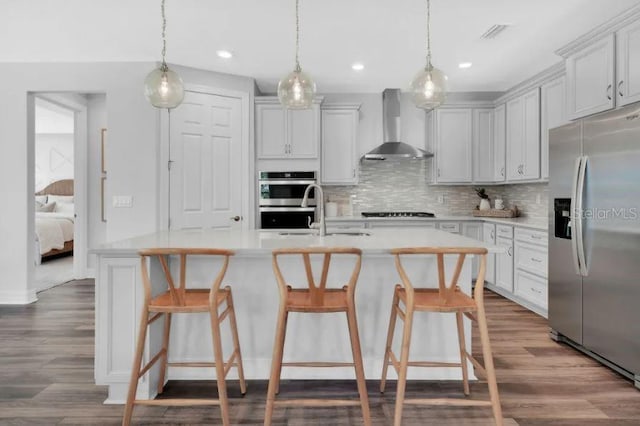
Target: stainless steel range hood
{"type": "Point", "coordinates": [392, 146]}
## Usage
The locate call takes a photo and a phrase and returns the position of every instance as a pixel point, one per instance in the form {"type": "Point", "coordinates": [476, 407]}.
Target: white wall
{"type": "Point", "coordinates": [54, 158]}
{"type": "Point", "coordinates": [132, 150]}
{"type": "Point", "coordinates": [96, 120]}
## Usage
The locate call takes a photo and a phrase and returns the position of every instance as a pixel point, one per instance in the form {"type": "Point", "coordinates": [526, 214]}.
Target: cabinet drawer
{"type": "Point", "coordinates": [531, 236]}
{"type": "Point", "coordinates": [532, 258]}
{"type": "Point", "coordinates": [531, 288]}
{"type": "Point", "coordinates": [453, 227]}
{"type": "Point", "coordinates": [503, 231]}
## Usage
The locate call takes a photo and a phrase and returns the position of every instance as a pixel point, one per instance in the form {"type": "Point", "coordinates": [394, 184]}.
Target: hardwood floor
{"type": "Point", "coordinates": [46, 377]}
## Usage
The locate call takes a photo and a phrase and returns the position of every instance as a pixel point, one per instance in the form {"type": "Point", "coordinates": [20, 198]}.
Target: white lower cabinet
{"type": "Point", "coordinates": [489, 237]}
{"type": "Point", "coordinates": [504, 265]}
{"type": "Point", "coordinates": [531, 288]}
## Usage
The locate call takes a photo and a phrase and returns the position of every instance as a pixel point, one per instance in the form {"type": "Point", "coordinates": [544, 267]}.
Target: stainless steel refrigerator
{"type": "Point", "coordinates": [594, 237]}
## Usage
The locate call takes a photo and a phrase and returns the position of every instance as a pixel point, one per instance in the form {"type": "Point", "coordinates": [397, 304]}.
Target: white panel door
{"type": "Point", "coordinates": [553, 113]}
{"type": "Point", "coordinates": [515, 126]}
{"type": "Point", "coordinates": [628, 69]}
{"type": "Point", "coordinates": [489, 237]}
{"type": "Point", "coordinates": [531, 135]}
{"type": "Point", "coordinates": [206, 162]}
{"type": "Point", "coordinates": [271, 131]}
{"type": "Point", "coordinates": [483, 155]}
{"type": "Point", "coordinates": [473, 230]}
{"type": "Point", "coordinates": [504, 265]}
{"type": "Point", "coordinates": [499, 143]}
{"type": "Point", "coordinates": [590, 79]}
{"type": "Point", "coordinates": [303, 132]}
{"type": "Point", "coordinates": [454, 145]}
{"type": "Point", "coordinates": [339, 146]}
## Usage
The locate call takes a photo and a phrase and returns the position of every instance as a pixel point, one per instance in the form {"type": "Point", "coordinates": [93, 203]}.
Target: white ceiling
{"type": "Point", "coordinates": [388, 36]}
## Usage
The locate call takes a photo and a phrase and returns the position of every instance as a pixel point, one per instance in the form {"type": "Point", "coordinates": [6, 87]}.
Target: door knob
{"type": "Point", "coordinates": [236, 218]}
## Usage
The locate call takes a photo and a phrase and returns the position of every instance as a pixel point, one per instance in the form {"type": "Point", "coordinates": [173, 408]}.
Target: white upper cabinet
{"type": "Point", "coordinates": [499, 143]}
{"type": "Point", "coordinates": [590, 79]}
{"type": "Point", "coordinates": [283, 133]}
{"type": "Point", "coordinates": [628, 64]}
{"type": "Point", "coordinates": [523, 137]}
{"type": "Point", "coordinates": [340, 145]}
{"type": "Point", "coordinates": [553, 113]}
{"type": "Point", "coordinates": [454, 145]}
{"type": "Point", "coordinates": [483, 150]}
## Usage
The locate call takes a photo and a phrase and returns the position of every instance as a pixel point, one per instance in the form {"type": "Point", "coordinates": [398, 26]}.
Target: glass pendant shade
{"type": "Point", "coordinates": [429, 88]}
{"type": "Point", "coordinates": [164, 88]}
{"type": "Point", "coordinates": [296, 90]}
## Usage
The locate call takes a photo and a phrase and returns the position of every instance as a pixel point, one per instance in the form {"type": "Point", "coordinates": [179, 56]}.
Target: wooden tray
{"type": "Point", "coordinates": [496, 213]}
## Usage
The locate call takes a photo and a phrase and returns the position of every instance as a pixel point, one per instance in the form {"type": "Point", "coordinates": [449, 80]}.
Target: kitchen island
{"type": "Point", "coordinates": [321, 337]}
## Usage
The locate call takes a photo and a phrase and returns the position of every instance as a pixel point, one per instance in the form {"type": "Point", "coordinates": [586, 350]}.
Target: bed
{"type": "Point", "coordinates": [54, 220]}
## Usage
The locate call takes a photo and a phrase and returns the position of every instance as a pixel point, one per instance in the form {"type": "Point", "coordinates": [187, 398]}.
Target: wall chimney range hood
{"type": "Point", "coordinates": [393, 147]}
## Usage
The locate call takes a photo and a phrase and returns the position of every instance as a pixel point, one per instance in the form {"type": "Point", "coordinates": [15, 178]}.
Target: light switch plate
{"type": "Point", "coordinates": [122, 201]}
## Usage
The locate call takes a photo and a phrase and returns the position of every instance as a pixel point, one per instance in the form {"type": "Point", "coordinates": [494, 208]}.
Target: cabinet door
{"type": "Point", "coordinates": [430, 145]}
{"type": "Point", "coordinates": [473, 230]}
{"type": "Point", "coordinates": [628, 69]}
{"type": "Point", "coordinates": [553, 113]}
{"type": "Point", "coordinates": [531, 135]}
{"type": "Point", "coordinates": [339, 146]}
{"type": "Point", "coordinates": [515, 116]}
{"type": "Point", "coordinates": [489, 237]}
{"type": "Point", "coordinates": [590, 79]}
{"type": "Point", "coordinates": [499, 143]}
{"type": "Point", "coordinates": [454, 143]}
{"type": "Point", "coordinates": [504, 265]}
{"type": "Point", "coordinates": [483, 157]}
{"type": "Point", "coordinates": [303, 132]}
{"type": "Point", "coordinates": [270, 131]}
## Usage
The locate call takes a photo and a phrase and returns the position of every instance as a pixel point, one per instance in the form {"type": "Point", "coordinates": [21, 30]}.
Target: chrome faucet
{"type": "Point", "coordinates": [322, 226]}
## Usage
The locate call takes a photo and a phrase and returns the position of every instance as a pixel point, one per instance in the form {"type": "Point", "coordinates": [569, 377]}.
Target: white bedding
{"type": "Point", "coordinates": [52, 230]}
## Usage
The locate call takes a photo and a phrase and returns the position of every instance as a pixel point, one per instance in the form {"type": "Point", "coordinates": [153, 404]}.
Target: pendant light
{"type": "Point", "coordinates": [428, 87]}
{"type": "Point", "coordinates": [163, 87]}
{"type": "Point", "coordinates": [297, 89]}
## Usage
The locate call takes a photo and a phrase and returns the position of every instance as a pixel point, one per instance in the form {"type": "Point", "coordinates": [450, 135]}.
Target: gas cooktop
{"type": "Point", "coordinates": [397, 214]}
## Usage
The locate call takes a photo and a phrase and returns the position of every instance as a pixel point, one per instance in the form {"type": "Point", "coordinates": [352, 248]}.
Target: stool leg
{"type": "Point", "coordinates": [404, 364]}
{"type": "Point", "coordinates": [357, 360]}
{"type": "Point", "coordinates": [463, 352]}
{"type": "Point", "coordinates": [135, 369]}
{"type": "Point", "coordinates": [276, 364]}
{"type": "Point", "coordinates": [387, 350]}
{"type": "Point", "coordinates": [236, 342]}
{"type": "Point", "coordinates": [165, 346]}
{"type": "Point", "coordinates": [488, 365]}
{"type": "Point", "coordinates": [219, 360]}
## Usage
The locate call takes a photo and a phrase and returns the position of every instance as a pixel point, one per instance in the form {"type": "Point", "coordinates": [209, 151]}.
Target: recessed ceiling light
{"type": "Point", "coordinates": [463, 65]}
{"type": "Point", "coordinates": [224, 54]}
{"type": "Point", "coordinates": [357, 66]}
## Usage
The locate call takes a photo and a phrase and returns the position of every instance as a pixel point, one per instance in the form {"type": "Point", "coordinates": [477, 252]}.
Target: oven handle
{"type": "Point", "coordinates": [287, 209]}
{"type": "Point", "coordinates": [286, 182]}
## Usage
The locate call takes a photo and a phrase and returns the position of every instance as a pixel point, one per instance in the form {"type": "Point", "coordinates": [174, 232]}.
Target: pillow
{"type": "Point", "coordinates": [66, 208]}
{"type": "Point", "coordinates": [45, 207]}
{"type": "Point", "coordinates": [60, 198]}
{"type": "Point", "coordinates": [42, 199]}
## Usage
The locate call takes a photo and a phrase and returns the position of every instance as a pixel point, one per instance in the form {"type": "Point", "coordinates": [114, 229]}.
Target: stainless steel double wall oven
{"type": "Point", "coordinates": [281, 195]}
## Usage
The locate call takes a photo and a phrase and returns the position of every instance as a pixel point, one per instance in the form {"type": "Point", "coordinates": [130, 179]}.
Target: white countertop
{"type": "Point", "coordinates": [261, 242]}
{"type": "Point", "coordinates": [528, 222]}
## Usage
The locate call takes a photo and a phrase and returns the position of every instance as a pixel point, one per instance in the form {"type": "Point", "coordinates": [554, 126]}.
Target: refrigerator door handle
{"type": "Point", "coordinates": [579, 235]}
{"type": "Point", "coordinates": [574, 215]}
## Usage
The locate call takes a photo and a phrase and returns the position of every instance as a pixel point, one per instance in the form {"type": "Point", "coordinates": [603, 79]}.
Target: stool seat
{"type": "Point", "coordinates": [303, 300]}
{"type": "Point", "coordinates": [195, 300]}
{"type": "Point", "coordinates": [430, 299]}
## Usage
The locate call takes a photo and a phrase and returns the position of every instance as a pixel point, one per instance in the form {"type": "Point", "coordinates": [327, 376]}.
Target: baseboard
{"type": "Point", "coordinates": [24, 297]}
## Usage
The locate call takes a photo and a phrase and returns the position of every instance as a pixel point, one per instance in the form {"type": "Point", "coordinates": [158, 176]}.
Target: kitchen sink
{"type": "Point", "coordinates": [315, 233]}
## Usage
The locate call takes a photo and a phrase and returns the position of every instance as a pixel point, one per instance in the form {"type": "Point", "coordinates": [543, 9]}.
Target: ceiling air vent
{"type": "Point", "coordinates": [494, 31]}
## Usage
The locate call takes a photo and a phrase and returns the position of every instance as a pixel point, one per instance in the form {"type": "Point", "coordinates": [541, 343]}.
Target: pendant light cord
{"type": "Point", "coordinates": [297, 35]}
{"type": "Point", "coordinates": [428, 33]}
{"type": "Point", "coordinates": [164, 66]}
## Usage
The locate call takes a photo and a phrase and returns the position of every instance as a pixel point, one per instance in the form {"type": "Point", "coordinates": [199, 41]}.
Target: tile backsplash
{"type": "Point", "coordinates": [397, 185]}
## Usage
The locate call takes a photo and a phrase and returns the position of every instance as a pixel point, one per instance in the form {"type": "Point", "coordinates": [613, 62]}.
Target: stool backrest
{"type": "Point", "coordinates": [317, 289]}
{"type": "Point", "coordinates": [446, 291]}
{"type": "Point", "coordinates": [178, 292]}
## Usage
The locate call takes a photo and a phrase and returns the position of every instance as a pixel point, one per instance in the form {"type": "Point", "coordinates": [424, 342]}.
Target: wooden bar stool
{"type": "Point", "coordinates": [182, 300]}
{"type": "Point", "coordinates": [444, 299]}
{"type": "Point", "coordinates": [316, 298]}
